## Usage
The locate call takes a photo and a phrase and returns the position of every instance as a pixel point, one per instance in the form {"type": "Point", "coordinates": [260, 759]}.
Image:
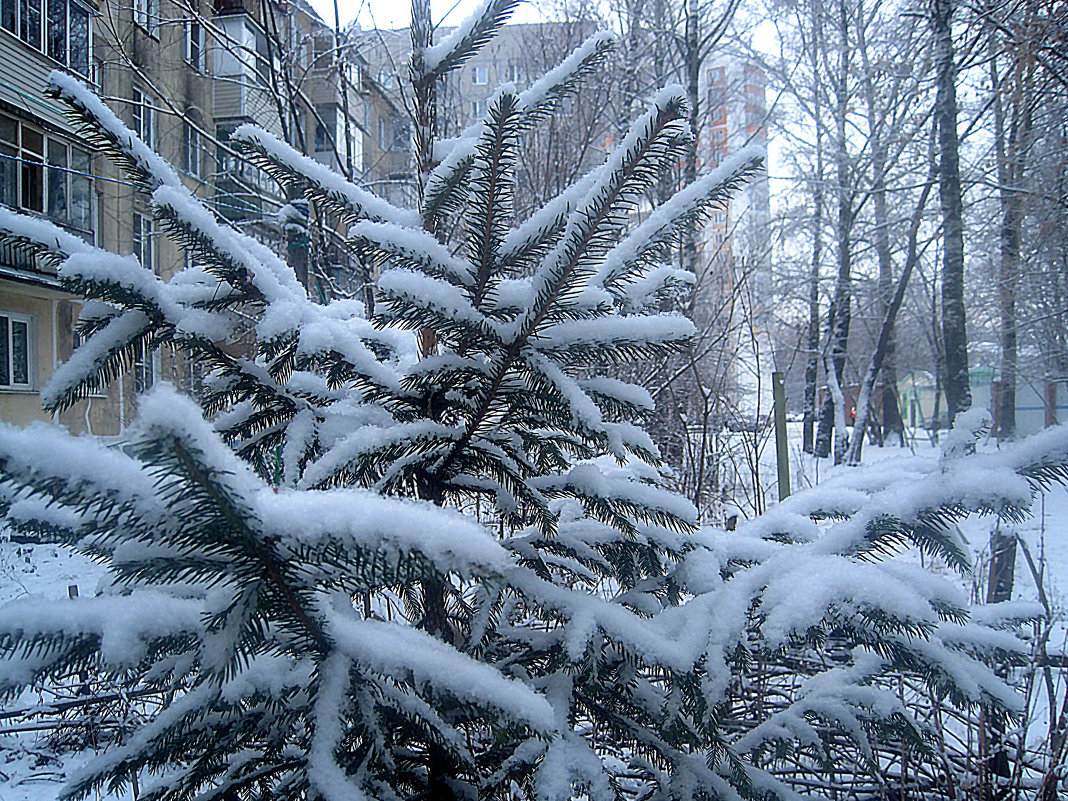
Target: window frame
{"type": "Point", "coordinates": [146, 16]}
{"type": "Point", "coordinates": [385, 135]}
{"type": "Point", "coordinates": [143, 368]}
{"type": "Point", "coordinates": [144, 117]}
{"type": "Point", "coordinates": [8, 333]}
{"type": "Point", "coordinates": [194, 152]}
{"type": "Point", "coordinates": [195, 59]}
{"type": "Point", "coordinates": [144, 244]}
{"type": "Point", "coordinates": [478, 70]}
{"type": "Point", "coordinates": [41, 36]}
{"type": "Point", "coordinates": [74, 166]}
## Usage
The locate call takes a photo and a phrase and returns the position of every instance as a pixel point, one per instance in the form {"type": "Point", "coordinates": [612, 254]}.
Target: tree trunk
{"type": "Point", "coordinates": [892, 425]}
{"type": "Point", "coordinates": [435, 621]}
{"type": "Point", "coordinates": [954, 331]}
{"type": "Point", "coordinates": [999, 590]}
{"type": "Point", "coordinates": [812, 364]}
{"type": "Point", "coordinates": [1011, 156]}
{"type": "Point", "coordinates": [886, 333]}
{"type": "Point", "coordinates": [838, 323]}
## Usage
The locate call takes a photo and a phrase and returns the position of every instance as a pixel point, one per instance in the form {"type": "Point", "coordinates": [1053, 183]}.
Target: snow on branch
{"type": "Point", "coordinates": [102, 128]}
{"type": "Point", "coordinates": [465, 40]}
{"type": "Point", "coordinates": [684, 209]}
{"type": "Point", "coordinates": [316, 181]}
{"type": "Point", "coordinates": [446, 185]}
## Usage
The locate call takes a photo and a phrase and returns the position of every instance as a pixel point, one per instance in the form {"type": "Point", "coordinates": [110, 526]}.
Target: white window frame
{"type": "Point", "coordinates": [194, 57]}
{"type": "Point", "coordinates": [517, 73]}
{"type": "Point", "coordinates": [44, 18]}
{"type": "Point", "coordinates": [193, 152]}
{"type": "Point", "coordinates": [479, 75]}
{"type": "Point", "coordinates": [48, 171]}
{"type": "Point", "coordinates": [30, 323]}
{"type": "Point", "coordinates": [385, 135]}
{"type": "Point", "coordinates": [144, 241]}
{"type": "Point", "coordinates": [146, 16]}
{"type": "Point", "coordinates": [144, 369]}
{"type": "Point", "coordinates": [478, 109]}
{"type": "Point", "coordinates": [144, 117]}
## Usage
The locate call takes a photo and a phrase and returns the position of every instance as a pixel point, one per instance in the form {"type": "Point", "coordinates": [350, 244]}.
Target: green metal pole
{"type": "Point", "coordinates": [782, 450]}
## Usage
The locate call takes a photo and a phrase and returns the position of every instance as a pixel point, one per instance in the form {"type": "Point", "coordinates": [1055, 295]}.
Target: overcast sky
{"type": "Point", "coordinates": [396, 13]}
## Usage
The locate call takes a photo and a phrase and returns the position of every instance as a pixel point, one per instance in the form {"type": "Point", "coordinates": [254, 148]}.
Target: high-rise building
{"type": "Point", "coordinates": [736, 117]}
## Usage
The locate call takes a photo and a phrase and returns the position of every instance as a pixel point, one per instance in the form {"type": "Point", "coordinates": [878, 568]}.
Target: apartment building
{"type": "Point", "coordinates": [733, 114]}
{"type": "Point", "coordinates": [387, 138]}
{"type": "Point", "coordinates": [47, 172]}
{"type": "Point", "coordinates": [278, 66]}
{"type": "Point", "coordinates": [557, 151]}
{"type": "Point", "coordinates": [182, 74]}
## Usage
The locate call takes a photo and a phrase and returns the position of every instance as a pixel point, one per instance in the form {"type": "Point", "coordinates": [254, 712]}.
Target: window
{"type": "Point", "coordinates": [81, 190]}
{"type": "Point", "coordinates": [46, 175]}
{"type": "Point", "coordinates": [144, 118]}
{"type": "Point", "coordinates": [263, 58]}
{"type": "Point", "coordinates": [146, 14]}
{"type": "Point", "coordinates": [78, 58]}
{"type": "Point", "coordinates": [399, 140]}
{"type": "Point", "coordinates": [717, 95]}
{"type": "Point", "coordinates": [144, 371]}
{"type": "Point", "coordinates": [323, 45]}
{"type": "Point", "coordinates": [58, 28]}
{"type": "Point", "coordinates": [144, 245]}
{"type": "Point", "coordinates": [718, 144]}
{"type": "Point", "coordinates": [478, 108]}
{"type": "Point", "coordinates": [517, 73]}
{"type": "Point", "coordinates": [9, 162]}
{"type": "Point", "coordinates": [194, 45]}
{"type": "Point", "coordinates": [480, 75]}
{"type": "Point", "coordinates": [385, 79]}
{"type": "Point", "coordinates": [56, 33]}
{"type": "Point", "coordinates": [58, 170]}
{"type": "Point", "coordinates": [384, 136]}
{"type": "Point", "coordinates": [30, 22]}
{"type": "Point", "coordinates": [32, 173]}
{"type": "Point", "coordinates": [15, 351]}
{"type": "Point", "coordinates": [192, 151]}
{"type": "Point", "coordinates": [322, 138]}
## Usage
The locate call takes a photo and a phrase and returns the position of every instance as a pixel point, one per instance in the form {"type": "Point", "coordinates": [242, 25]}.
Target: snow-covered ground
{"type": "Point", "coordinates": [29, 771]}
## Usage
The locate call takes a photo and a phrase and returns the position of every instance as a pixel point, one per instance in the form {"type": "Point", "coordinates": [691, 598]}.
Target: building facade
{"type": "Point", "coordinates": [45, 171]}
{"type": "Point", "coordinates": [182, 75]}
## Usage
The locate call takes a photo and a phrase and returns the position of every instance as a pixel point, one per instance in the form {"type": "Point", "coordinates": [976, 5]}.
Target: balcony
{"type": "Point", "coordinates": [226, 7]}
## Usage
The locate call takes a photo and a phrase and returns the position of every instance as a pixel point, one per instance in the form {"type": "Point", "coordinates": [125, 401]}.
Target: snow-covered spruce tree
{"type": "Point", "coordinates": [588, 638]}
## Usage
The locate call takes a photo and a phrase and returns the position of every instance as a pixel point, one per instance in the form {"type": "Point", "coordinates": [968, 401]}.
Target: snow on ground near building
{"type": "Point", "coordinates": [30, 772]}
